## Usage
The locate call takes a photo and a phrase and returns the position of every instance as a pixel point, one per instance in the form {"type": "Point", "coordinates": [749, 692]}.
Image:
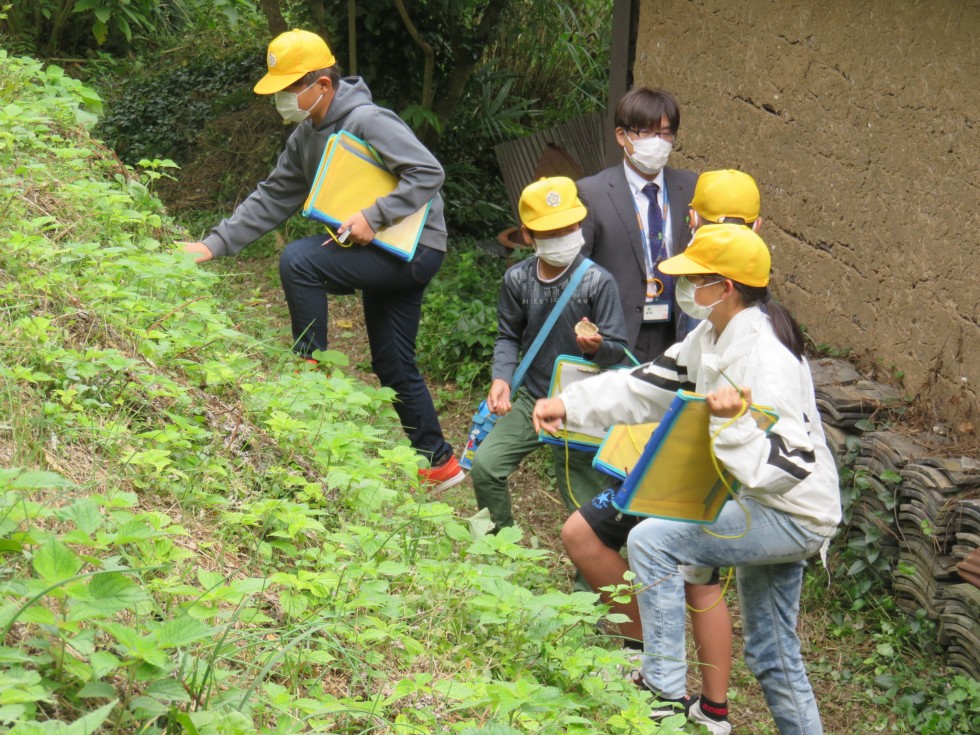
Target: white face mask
{"type": "Point", "coordinates": [559, 251]}
{"type": "Point", "coordinates": [650, 154]}
{"type": "Point", "coordinates": [684, 293]}
{"type": "Point", "coordinates": [287, 103]}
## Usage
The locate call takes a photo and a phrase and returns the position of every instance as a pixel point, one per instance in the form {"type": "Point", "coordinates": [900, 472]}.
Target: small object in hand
{"type": "Point", "coordinates": [586, 329]}
{"type": "Point", "coordinates": [343, 235]}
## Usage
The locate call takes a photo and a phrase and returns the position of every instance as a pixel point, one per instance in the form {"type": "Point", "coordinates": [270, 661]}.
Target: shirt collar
{"type": "Point", "coordinates": [637, 182]}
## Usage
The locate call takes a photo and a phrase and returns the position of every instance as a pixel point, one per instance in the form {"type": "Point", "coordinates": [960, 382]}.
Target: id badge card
{"type": "Point", "coordinates": [656, 311]}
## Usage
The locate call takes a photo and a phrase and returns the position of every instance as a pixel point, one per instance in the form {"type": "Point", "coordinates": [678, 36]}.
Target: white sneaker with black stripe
{"type": "Point", "coordinates": [715, 727]}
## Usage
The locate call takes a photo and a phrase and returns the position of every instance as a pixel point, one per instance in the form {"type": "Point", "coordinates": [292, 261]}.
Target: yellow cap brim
{"type": "Point", "coordinates": [557, 220]}
{"type": "Point", "coordinates": [681, 265]}
{"type": "Point", "coordinates": [272, 83]}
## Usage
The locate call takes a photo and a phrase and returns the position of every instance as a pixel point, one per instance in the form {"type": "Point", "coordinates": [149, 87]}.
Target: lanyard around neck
{"type": "Point", "coordinates": [665, 209]}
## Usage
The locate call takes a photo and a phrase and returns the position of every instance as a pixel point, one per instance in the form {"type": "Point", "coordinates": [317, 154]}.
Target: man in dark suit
{"type": "Point", "coordinates": [638, 216]}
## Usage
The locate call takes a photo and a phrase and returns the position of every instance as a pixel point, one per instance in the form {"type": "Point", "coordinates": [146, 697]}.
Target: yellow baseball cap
{"type": "Point", "coordinates": [550, 204]}
{"type": "Point", "coordinates": [732, 251]}
{"type": "Point", "coordinates": [291, 55]}
{"type": "Point", "coordinates": [728, 193]}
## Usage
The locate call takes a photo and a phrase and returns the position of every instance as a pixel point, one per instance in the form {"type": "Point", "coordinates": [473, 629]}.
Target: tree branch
{"type": "Point", "coordinates": [430, 57]}
{"type": "Point", "coordinates": [273, 16]}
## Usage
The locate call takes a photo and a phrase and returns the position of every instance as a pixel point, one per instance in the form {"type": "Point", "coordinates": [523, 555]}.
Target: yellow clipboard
{"type": "Point", "coordinates": [351, 177]}
{"type": "Point", "coordinates": [675, 477]}
{"type": "Point", "coordinates": [622, 447]}
{"type": "Point", "coordinates": [570, 369]}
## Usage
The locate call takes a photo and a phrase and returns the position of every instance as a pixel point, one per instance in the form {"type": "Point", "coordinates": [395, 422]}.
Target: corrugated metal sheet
{"type": "Point", "coordinates": [573, 149]}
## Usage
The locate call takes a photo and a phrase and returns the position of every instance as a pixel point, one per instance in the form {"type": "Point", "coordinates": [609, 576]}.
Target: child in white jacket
{"type": "Point", "coordinates": [789, 500]}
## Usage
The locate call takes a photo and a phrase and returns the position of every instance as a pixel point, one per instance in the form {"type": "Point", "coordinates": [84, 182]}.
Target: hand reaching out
{"type": "Point", "coordinates": [548, 414]}
{"type": "Point", "coordinates": [198, 249]}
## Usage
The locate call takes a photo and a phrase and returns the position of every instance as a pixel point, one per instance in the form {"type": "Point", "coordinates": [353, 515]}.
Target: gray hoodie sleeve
{"type": "Point", "coordinates": [273, 201]}
{"type": "Point", "coordinates": [420, 175]}
{"type": "Point", "coordinates": [511, 322]}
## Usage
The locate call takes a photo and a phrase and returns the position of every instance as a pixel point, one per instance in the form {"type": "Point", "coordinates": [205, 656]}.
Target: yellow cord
{"type": "Point", "coordinates": [636, 444]}
{"type": "Point", "coordinates": [568, 476]}
{"type": "Point", "coordinates": [721, 474]}
{"type": "Point", "coordinates": [724, 589]}
{"type": "Point", "coordinates": [728, 488]}
{"type": "Point", "coordinates": [334, 238]}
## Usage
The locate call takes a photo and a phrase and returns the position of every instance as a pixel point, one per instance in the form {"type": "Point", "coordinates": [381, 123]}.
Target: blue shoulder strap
{"type": "Point", "coordinates": [556, 310]}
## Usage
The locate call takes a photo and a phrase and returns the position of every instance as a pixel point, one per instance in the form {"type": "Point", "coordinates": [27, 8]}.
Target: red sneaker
{"type": "Point", "coordinates": [443, 477]}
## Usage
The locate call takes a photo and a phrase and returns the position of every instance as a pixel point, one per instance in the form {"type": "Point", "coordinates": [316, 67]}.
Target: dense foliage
{"type": "Point", "coordinates": [193, 538]}
{"type": "Point", "coordinates": [78, 27]}
{"type": "Point", "coordinates": [542, 63]}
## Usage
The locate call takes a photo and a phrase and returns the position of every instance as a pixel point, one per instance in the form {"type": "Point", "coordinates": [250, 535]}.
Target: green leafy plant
{"type": "Point", "coordinates": [459, 318]}
{"type": "Point", "coordinates": [195, 539]}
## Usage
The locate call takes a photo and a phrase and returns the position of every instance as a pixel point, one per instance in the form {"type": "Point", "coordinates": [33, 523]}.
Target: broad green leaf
{"type": "Point", "coordinates": [618, 618]}
{"type": "Point", "coordinates": [392, 568]}
{"type": "Point", "coordinates": [331, 357]}
{"type": "Point", "coordinates": [55, 562]}
{"type": "Point", "coordinates": [89, 723]}
{"type": "Point", "coordinates": [115, 587]}
{"type": "Point", "coordinates": [148, 707]}
{"type": "Point", "coordinates": [137, 530]}
{"type": "Point", "coordinates": [39, 480]}
{"type": "Point", "coordinates": [12, 712]}
{"type": "Point", "coordinates": [480, 523]}
{"type": "Point", "coordinates": [96, 689]}
{"type": "Point", "coordinates": [293, 604]}
{"type": "Point", "coordinates": [103, 663]}
{"type": "Point", "coordinates": [38, 614]}
{"type": "Point", "coordinates": [210, 579]}
{"type": "Point", "coordinates": [108, 593]}
{"type": "Point", "coordinates": [84, 514]}
{"type": "Point", "coordinates": [182, 631]}
{"type": "Point", "coordinates": [168, 690]}
{"type": "Point", "coordinates": [13, 655]}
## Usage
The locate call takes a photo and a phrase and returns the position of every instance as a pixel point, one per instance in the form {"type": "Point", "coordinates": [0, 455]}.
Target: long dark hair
{"type": "Point", "coordinates": [783, 324]}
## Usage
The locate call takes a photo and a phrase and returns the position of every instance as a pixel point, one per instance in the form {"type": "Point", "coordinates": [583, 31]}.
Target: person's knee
{"type": "Point", "coordinates": [577, 536]}
{"type": "Point", "coordinates": [395, 371]}
{"type": "Point", "coordinates": [290, 254]}
{"type": "Point", "coordinates": [763, 654]}
{"type": "Point", "coordinates": [293, 260]}
{"type": "Point", "coordinates": [484, 473]}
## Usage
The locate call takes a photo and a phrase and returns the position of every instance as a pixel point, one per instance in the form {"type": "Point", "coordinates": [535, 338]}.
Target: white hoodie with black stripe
{"type": "Point", "coordinates": [790, 469]}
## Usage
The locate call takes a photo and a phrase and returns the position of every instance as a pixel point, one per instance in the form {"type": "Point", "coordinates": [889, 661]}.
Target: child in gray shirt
{"type": "Point", "coordinates": [550, 214]}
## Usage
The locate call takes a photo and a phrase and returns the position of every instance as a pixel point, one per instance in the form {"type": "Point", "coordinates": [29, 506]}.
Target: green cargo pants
{"type": "Point", "coordinates": [511, 440]}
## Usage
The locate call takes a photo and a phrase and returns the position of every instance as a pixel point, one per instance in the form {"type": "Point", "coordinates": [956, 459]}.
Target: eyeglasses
{"type": "Point", "coordinates": [662, 134]}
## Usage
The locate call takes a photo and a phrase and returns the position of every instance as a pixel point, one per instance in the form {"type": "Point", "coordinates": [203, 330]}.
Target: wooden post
{"type": "Point", "coordinates": [620, 72]}
{"type": "Point", "coordinates": [352, 37]}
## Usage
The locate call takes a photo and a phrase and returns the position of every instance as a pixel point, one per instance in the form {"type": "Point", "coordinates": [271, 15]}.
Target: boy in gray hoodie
{"type": "Point", "coordinates": [308, 88]}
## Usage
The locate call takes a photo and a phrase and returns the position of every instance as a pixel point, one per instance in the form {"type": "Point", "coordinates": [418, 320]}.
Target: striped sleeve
{"type": "Point", "coordinates": [665, 373]}
{"type": "Point", "coordinates": [767, 463]}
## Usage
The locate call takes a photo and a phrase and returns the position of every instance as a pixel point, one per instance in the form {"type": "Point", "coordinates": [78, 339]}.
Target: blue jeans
{"type": "Point", "coordinates": [769, 568]}
{"type": "Point", "coordinates": [391, 291]}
